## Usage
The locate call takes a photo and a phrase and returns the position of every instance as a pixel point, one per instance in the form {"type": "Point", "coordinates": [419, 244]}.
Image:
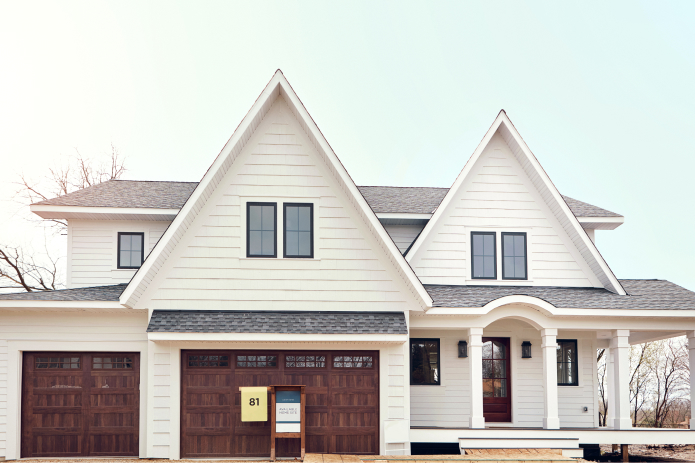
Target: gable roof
{"type": "Point", "coordinates": [173, 195]}
{"type": "Point", "coordinates": [546, 189]}
{"type": "Point", "coordinates": [278, 86]}
{"type": "Point", "coordinates": [641, 294]}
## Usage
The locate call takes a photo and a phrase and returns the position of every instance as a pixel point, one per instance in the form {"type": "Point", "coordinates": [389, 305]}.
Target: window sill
{"type": "Point", "coordinates": [304, 259]}
{"type": "Point", "coordinates": [500, 281]}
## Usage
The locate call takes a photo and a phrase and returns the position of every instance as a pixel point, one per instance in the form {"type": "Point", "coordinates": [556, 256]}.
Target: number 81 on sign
{"type": "Point", "coordinates": [254, 403]}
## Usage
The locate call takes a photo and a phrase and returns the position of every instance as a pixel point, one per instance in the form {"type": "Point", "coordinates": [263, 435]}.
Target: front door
{"type": "Point", "coordinates": [497, 397]}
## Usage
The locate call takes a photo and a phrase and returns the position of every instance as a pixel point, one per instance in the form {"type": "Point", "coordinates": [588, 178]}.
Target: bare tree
{"type": "Point", "coordinates": [602, 393]}
{"type": "Point", "coordinates": [671, 379]}
{"type": "Point", "coordinates": [26, 271]}
{"type": "Point", "coordinates": [642, 364]}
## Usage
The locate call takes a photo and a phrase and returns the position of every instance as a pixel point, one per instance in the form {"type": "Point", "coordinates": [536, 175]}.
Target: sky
{"type": "Point", "coordinates": [602, 93]}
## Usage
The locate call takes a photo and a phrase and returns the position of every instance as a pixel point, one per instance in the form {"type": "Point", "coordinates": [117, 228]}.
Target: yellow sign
{"type": "Point", "coordinates": [254, 403]}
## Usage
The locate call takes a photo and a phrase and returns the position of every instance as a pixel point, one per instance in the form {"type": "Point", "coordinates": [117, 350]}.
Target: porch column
{"type": "Point", "coordinates": [620, 350]}
{"type": "Point", "coordinates": [609, 385]}
{"type": "Point", "coordinates": [549, 348]}
{"type": "Point", "coordinates": [691, 359]}
{"type": "Point", "coordinates": [475, 377]}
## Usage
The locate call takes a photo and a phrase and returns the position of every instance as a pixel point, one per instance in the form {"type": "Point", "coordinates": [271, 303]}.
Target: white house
{"type": "Point", "coordinates": [413, 316]}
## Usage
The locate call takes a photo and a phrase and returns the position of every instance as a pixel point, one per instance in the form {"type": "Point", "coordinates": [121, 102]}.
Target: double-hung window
{"type": "Point", "coordinates": [131, 252]}
{"type": "Point", "coordinates": [261, 230]}
{"type": "Point", "coordinates": [484, 261]}
{"type": "Point", "coordinates": [567, 371]}
{"type": "Point", "coordinates": [514, 256]}
{"type": "Point", "coordinates": [299, 230]}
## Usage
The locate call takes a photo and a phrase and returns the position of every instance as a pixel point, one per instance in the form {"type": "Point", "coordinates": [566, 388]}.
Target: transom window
{"type": "Point", "coordinates": [305, 361]}
{"type": "Point", "coordinates": [299, 230]}
{"type": "Point", "coordinates": [353, 361]}
{"type": "Point", "coordinates": [208, 361]}
{"type": "Point", "coordinates": [514, 256]}
{"type": "Point", "coordinates": [57, 362]}
{"type": "Point", "coordinates": [256, 361]}
{"type": "Point", "coordinates": [131, 252]}
{"type": "Point", "coordinates": [567, 371]}
{"type": "Point", "coordinates": [107, 363]}
{"type": "Point", "coordinates": [484, 261]}
{"type": "Point", "coordinates": [424, 362]}
{"type": "Point", "coordinates": [261, 236]}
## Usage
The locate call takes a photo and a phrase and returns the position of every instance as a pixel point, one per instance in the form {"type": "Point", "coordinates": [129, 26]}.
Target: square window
{"type": "Point", "coordinates": [261, 237]}
{"type": "Point", "coordinates": [131, 250]}
{"type": "Point", "coordinates": [514, 256]}
{"type": "Point", "coordinates": [298, 230]}
{"type": "Point", "coordinates": [424, 362]}
{"type": "Point", "coordinates": [484, 257]}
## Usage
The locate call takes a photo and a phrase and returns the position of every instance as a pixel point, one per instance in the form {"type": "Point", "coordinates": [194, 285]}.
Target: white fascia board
{"type": "Point", "coordinates": [78, 212]}
{"type": "Point", "coordinates": [601, 223]}
{"type": "Point", "coordinates": [278, 337]}
{"type": "Point", "coordinates": [76, 305]}
{"type": "Point", "coordinates": [403, 216]}
{"type": "Point", "coordinates": [277, 85]}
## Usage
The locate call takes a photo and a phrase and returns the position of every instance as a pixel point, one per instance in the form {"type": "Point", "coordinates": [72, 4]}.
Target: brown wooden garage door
{"type": "Point", "coordinates": [80, 404]}
{"type": "Point", "coordinates": [342, 394]}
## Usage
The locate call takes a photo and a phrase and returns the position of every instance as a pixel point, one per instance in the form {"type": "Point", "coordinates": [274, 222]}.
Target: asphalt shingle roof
{"type": "Point", "coordinates": [642, 294]}
{"type": "Point", "coordinates": [204, 321]}
{"type": "Point", "coordinates": [95, 293]}
{"type": "Point", "coordinates": [173, 195]}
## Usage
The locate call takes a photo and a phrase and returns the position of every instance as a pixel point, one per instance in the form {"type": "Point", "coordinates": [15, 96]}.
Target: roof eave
{"type": "Point", "coordinates": [103, 213]}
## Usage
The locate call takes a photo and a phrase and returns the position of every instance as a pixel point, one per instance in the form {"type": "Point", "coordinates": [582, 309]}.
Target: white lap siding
{"type": "Point", "coordinates": [403, 235]}
{"type": "Point", "coordinates": [92, 250]}
{"type": "Point", "coordinates": [448, 405]}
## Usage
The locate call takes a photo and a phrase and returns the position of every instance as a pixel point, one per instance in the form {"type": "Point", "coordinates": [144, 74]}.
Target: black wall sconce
{"type": "Point", "coordinates": [526, 350]}
{"type": "Point", "coordinates": [463, 349]}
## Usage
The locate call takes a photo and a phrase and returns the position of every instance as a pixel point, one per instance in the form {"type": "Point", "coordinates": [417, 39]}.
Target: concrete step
{"type": "Point", "coordinates": [568, 446]}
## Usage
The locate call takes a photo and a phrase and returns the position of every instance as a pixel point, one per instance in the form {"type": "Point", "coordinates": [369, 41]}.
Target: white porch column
{"type": "Point", "coordinates": [475, 376]}
{"type": "Point", "coordinates": [691, 359]}
{"type": "Point", "coordinates": [620, 350]}
{"type": "Point", "coordinates": [609, 385]}
{"type": "Point", "coordinates": [549, 348]}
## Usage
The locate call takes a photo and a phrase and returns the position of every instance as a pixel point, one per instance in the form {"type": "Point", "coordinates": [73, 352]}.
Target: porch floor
{"type": "Point", "coordinates": [487, 456]}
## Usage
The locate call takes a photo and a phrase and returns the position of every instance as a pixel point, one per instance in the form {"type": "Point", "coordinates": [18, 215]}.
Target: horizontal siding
{"type": "Point", "coordinates": [209, 268]}
{"type": "Point", "coordinates": [403, 235]}
{"type": "Point", "coordinates": [93, 248]}
{"type": "Point", "coordinates": [498, 196]}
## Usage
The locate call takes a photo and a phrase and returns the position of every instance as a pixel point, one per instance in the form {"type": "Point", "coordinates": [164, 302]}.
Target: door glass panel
{"type": "Point", "coordinates": [500, 388]}
{"type": "Point", "coordinates": [498, 350]}
{"type": "Point", "coordinates": [487, 369]}
{"type": "Point", "coordinates": [500, 369]}
{"type": "Point", "coordinates": [487, 350]}
{"type": "Point", "coordinates": [488, 387]}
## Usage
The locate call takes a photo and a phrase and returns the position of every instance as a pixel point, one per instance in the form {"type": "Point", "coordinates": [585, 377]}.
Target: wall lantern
{"type": "Point", "coordinates": [463, 349]}
{"type": "Point", "coordinates": [526, 350]}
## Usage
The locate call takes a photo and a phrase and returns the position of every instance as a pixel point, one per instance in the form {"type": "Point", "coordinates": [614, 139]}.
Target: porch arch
{"type": "Point", "coordinates": [528, 309]}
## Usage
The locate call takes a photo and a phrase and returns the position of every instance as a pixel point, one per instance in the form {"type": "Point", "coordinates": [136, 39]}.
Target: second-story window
{"type": "Point", "coordinates": [299, 230]}
{"type": "Point", "coordinates": [484, 258]}
{"type": "Point", "coordinates": [514, 256]}
{"type": "Point", "coordinates": [261, 236]}
{"type": "Point", "coordinates": [131, 252]}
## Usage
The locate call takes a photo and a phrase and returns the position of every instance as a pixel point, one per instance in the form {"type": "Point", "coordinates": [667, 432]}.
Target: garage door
{"type": "Point", "coordinates": [80, 404]}
{"type": "Point", "coordinates": [342, 408]}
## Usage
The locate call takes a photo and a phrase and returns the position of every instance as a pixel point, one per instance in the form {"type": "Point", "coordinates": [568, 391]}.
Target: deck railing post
{"type": "Point", "coordinates": [475, 376]}
{"type": "Point", "coordinates": [620, 348]}
{"type": "Point", "coordinates": [551, 418]}
{"type": "Point", "coordinates": [691, 359]}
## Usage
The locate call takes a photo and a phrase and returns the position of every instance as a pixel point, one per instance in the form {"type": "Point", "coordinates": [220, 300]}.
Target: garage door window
{"type": "Point", "coordinates": [305, 361]}
{"type": "Point", "coordinates": [58, 362]}
{"type": "Point", "coordinates": [107, 363]}
{"type": "Point", "coordinates": [256, 361]}
{"type": "Point", "coordinates": [353, 361]}
{"type": "Point", "coordinates": [208, 361]}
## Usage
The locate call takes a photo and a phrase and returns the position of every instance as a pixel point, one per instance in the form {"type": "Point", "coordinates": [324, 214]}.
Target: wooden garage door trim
{"type": "Point", "coordinates": [222, 406]}
{"type": "Point", "coordinates": [78, 405]}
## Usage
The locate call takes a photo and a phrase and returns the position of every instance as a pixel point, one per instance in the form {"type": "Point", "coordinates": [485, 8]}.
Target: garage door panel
{"type": "Point", "coordinates": [68, 409]}
{"type": "Point", "coordinates": [354, 444]}
{"type": "Point", "coordinates": [340, 401]}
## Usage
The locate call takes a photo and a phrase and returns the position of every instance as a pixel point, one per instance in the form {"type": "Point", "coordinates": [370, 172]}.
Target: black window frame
{"type": "Point", "coordinates": [525, 254]}
{"type": "Point", "coordinates": [142, 250]}
{"type": "Point", "coordinates": [494, 245]}
{"type": "Point", "coordinates": [439, 360]}
{"type": "Point", "coordinates": [575, 365]}
{"type": "Point", "coordinates": [284, 230]}
{"type": "Point", "coordinates": [275, 230]}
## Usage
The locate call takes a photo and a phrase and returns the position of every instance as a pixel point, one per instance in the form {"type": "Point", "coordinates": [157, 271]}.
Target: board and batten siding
{"type": "Point", "coordinates": [497, 195]}
{"type": "Point", "coordinates": [403, 235]}
{"type": "Point", "coordinates": [448, 405]}
{"type": "Point", "coordinates": [92, 250]}
{"type": "Point", "coordinates": [44, 331]}
{"type": "Point", "coordinates": [350, 270]}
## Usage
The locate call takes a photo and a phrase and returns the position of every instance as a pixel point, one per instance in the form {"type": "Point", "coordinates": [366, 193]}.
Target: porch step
{"type": "Point", "coordinates": [567, 446]}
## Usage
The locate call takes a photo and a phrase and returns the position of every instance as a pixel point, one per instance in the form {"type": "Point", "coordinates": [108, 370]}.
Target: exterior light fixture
{"type": "Point", "coordinates": [526, 350]}
{"type": "Point", "coordinates": [463, 349]}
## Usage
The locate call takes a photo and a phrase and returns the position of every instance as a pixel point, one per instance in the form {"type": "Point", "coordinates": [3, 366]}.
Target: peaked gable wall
{"type": "Point", "coordinates": [497, 195]}
{"type": "Point", "coordinates": [208, 268]}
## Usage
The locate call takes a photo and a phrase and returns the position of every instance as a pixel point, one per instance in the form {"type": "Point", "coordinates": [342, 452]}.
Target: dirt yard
{"type": "Point", "coordinates": [652, 453]}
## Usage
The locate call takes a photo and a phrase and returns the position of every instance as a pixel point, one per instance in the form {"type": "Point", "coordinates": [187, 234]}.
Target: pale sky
{"type": "Point", "coordinates": [602, 93]}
